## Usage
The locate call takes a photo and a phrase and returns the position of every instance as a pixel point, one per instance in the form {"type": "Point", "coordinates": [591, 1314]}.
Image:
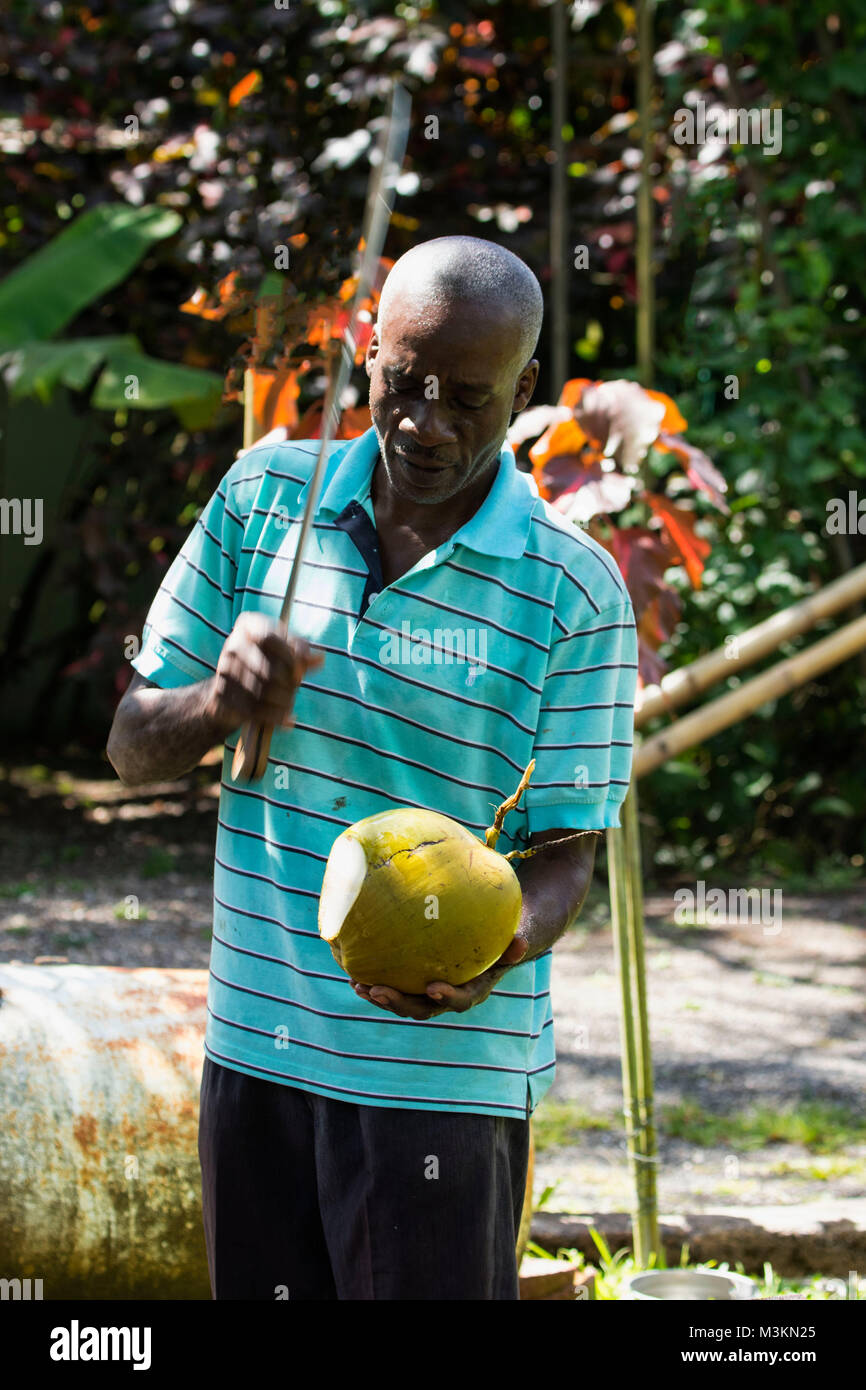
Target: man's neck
{"type": "Point", "coordinates": [433, 522]}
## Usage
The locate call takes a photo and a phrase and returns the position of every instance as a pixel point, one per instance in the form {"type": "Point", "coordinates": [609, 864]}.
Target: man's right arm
{"type": "Point", "coordinates": [161, 734]}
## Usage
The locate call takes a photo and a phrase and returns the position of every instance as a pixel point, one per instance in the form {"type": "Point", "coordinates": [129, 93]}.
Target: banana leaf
{"type": "Point", "coordinates": [90, 256]}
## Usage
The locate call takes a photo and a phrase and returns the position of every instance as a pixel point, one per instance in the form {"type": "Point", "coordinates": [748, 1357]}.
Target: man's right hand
{"type": "Point", "coordinates": [258, 673]}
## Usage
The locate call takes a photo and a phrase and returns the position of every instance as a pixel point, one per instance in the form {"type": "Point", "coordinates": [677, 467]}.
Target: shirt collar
{"type": "Point", "coordinates": [499, 527]}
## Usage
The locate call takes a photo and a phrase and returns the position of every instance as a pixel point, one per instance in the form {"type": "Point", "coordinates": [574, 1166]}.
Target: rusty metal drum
{"type": "Point", "coordinates": [100, 1069]}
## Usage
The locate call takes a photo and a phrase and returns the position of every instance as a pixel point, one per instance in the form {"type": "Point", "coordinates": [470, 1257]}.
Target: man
{"type": "Point", "coordinates": [357, 1143]}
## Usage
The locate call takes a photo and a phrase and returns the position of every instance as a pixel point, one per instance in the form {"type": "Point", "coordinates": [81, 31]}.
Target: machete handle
{"type": "Point", "coordinates": [250, 762]}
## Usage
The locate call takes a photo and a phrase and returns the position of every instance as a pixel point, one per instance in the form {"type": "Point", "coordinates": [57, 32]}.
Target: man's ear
{"type": "Point", "coordinates": [525, 386]}
{"type": "Point", "coordinates": [372, 352]}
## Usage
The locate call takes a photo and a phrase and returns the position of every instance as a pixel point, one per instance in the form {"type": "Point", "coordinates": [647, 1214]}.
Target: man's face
{"type": "Point", "coordinates": [443, 388]}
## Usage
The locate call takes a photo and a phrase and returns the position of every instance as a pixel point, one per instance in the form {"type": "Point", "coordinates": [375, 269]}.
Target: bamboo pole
{"type": "Point", "coordinates": [645, 324]}
{"type": "Point", "coordinates": [701, 724]}
{"type": "Point", "coordinates": [559, 277]}
{"type": "Point", "coordinates": [263, 318]}
{"type": "Point", "coordinates": [249, 419]}
{"type": "Point", "coordinates": [679, 687]}
{"type": "Point", "coordinates": [626, 903]}
{"type": "Point", "coordinates": [646, 1159]}
{"type": "Point", "coordinates": [623, 845]}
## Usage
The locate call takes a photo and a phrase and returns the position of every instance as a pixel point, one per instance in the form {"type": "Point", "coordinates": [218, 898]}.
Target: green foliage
{"type": "Point", "coordinates": [158, 862]}
{"type": "Point", "coordinates": [85, 260]}
{"type": "Point", "coordinates": [822, 1127]}
{"type": "Point", "coordinates": [559, 1122]}
{"type": "Point", "coordinates": [775, 302]}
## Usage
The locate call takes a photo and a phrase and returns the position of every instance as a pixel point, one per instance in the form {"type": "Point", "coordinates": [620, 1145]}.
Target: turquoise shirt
{"type": "Point", "coordinates": [514, 639]}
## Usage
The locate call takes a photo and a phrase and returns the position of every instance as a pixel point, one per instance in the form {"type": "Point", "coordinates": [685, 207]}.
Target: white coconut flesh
{"type": "Point", "coordinates": [344, 878]}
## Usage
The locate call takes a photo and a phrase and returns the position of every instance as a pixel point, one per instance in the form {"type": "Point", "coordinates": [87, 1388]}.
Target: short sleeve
{"type": "Point", "coordinates": [191, 614]}
{"type": "Point", "coordinates": [585, 734]}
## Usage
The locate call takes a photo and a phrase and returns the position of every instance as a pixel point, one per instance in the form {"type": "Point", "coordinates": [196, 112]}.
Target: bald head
{"type": "Point", "coordinates": [452, 272]}
{"type": "Point", "coordinates": [450, 362]}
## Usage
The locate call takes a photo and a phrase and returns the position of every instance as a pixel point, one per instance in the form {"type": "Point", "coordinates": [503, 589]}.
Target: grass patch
{"type": "Point", "coordinates": [820, 1170]}
{"type": "Point", "coordinates": [69, 940]}
{"type": "Point", "coordinates": [822, 1127]}
{"type": "Point", "coordinates": [558, 1122]}
{"type": "Point", "coordinates": [157, 862]}
{"type": "Point", "coordinates": [125, 912]}
{"type": "Point", "coordinates": [616, 1267]}
{"type": "Point", "coordinates": [16, 890]}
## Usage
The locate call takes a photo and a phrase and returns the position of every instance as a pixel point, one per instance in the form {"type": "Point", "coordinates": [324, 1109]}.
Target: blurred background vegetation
{"type": "Point", "coordinates": [172, 145]}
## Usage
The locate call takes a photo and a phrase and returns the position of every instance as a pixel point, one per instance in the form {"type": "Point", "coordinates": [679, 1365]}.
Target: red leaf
{"type": "Point", "coordinates": [679, 525]}
{"type": "Point", "coordinates": [642, 558]}
{"type": "Point", "coordinates": [310, 424]}
{"type": "Point", "coordinates": [700, 470]}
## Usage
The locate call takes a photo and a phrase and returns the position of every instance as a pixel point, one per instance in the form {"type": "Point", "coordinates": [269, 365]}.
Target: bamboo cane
{"type": "Point", "coordinates": [252, 429]}
{"type": "Point", "coordinates": [623, 845]}
{"type": "Point", "coordinates": [634, 1041]}
{"type": "Point", "coordinates": [645, 316]}
{"type": "Point", "coordinates": [680, 686]}
{"type": "Point", "coordinates": [710, 719]}
{"type": "Point", "coordinates": [646, 1158]}
{"type": "Point", "coordinates": [560, 276]}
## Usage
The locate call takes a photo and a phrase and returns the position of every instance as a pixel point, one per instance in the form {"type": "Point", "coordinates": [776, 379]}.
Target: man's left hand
{"type": "Point", "coordinates": [440, 997]}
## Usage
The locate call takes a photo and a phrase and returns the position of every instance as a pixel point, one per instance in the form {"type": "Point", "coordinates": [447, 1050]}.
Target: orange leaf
{"type": "Point", "coordinates": [679, 526]}
{"type": "Point", "coordinates": [244, 87]}
{"type": "Point", "coordinates": [201, 304]}
{"type": "Point", "coordinates": [565, 437]}
{"type": "Point", "coordinates": [310, 424]}
{"type": "Point", "coordinates": [274, 397]}
{"type": "Point", "coordinates": [573, 390]}
{"type": "Point", "coordinates": [354, 420]}
{"type": "Point", "coordinates": [672, 420]}
{"type": "Point", "coordinates": [319, 321]}
{"type": "Point", "coordinates": [226, 287]}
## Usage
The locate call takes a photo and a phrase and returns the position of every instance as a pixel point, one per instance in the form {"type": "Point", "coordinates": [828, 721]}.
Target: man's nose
{"type": "Point", "coordinates": [428, 425]}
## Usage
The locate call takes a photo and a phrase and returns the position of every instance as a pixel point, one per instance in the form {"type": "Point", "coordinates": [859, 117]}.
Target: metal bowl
{"type": "Point", "coordinates": [689, 1285]}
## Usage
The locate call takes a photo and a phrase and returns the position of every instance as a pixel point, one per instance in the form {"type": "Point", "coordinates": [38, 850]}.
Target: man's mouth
{"type": "Point", "coordinates": [421, 464]}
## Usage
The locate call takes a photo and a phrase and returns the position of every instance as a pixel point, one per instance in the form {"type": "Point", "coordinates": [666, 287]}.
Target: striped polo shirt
{"type": "Point", "coordinates": [514, 639]}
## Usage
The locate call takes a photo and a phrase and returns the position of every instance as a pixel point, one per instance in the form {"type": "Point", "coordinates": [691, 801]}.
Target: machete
{"type": "Point", "coordinates": [251, 754]}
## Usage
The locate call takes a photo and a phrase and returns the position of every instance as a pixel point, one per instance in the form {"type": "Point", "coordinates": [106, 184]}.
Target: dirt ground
{"type": "Point", "coordinates": [741, 1016]}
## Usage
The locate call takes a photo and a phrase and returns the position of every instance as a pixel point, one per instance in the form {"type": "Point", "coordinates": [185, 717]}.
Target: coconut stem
{"type": "Point", "coordinates": [528, 853]}
{"type": "Point", "coordinates": [491, 834]}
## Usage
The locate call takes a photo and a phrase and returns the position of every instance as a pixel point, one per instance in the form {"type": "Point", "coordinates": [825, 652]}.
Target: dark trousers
{"type": "Point", "coordinates": [310, 1198]}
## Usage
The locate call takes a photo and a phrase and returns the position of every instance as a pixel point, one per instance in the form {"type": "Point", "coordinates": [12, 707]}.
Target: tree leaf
{"type": "Point", "coordinates": [90, 256]}
{"type": "Point", "coordinates": [700, 470]}
{"type": "Point", "coordinates": [36, 368]}
{"type": "Point", "coordinates": [134, 381]}
{"type": "Point", "coordinates": [679, 524]}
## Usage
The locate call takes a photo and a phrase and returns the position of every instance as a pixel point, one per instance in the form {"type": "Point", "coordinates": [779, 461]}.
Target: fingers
{"type": "Point", "coordinates": [259, 671]}
{"type": "Point", "coordinates": [514, 951]}
{"type": "Point", "coordinates": [416, 1006]}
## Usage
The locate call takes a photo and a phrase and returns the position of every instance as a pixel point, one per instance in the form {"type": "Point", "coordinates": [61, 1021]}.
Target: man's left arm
{"type": "Point", "coordinates": [583, 752]}
{"type": "Point", "coordinates": [554, 883]}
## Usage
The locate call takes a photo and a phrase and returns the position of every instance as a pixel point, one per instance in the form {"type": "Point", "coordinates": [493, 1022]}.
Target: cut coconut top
{"type": "Point", "coordinates": [344, 877]}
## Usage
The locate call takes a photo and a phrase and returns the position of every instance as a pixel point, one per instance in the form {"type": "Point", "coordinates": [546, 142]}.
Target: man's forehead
{"type": "Point", "coordinates": [477, 345]}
